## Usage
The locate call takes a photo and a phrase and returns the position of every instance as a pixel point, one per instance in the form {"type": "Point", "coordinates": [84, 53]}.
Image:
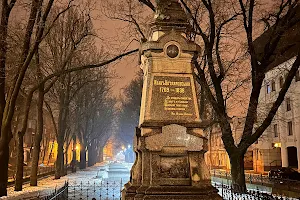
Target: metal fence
{"type": "Point", "coordinates": [98, 190]}
{"type": "Point", "coordinates": [42, 171]}
{"type": "Point", "coordinates": [57, 194]}
{"type": "Point", "coordinates": [259, 179]}
{"type": "Point", "coordinates": [27, 171]}
{"type": "Point", "coordinates": [250, 178]}
{"type": "Point", "coordinates": [111, 190]}
{"type": "Point", "coordinates": [228, 193]}
{"type": "Point", "coordinates": [60, 194]}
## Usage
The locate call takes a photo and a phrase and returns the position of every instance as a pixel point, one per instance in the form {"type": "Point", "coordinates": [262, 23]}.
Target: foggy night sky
{"type": "Point", "coordinates": [112, 31]}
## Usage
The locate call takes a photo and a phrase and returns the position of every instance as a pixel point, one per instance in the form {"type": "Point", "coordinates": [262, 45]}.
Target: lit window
{"type": "Point", "coordinates": [297, 76]}
{"type": "Point", "coordinates": [280, 81]}
{"type": "Point", "coordinates": [273, 86]}
{"type": "Point", "coordinates": [275, 127]}
{"type": "Point", "coordinates": [290, 128]}
{"type": "Point", "coordinates": [288, 104]}
{"type": "Point", "coordinates": [269, 88]}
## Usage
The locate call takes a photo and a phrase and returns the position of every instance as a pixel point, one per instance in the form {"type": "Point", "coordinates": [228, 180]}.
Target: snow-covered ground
{"type": "Point", "coordinates": [47, 185]}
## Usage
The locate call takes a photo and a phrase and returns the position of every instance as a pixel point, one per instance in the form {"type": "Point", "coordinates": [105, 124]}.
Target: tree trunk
{"type": "Point", "coordinates": [73, 163]}
{"type": "Point", "coordinates": [37, 138]}
{"type": "Point", "coordinates": [66, 163]}
{"type": "Point", "coordinates": [50, 153]}
{"type": "Point", "coordinates": [45, 144]}
{"type": "Point", "coordinates": [61, 134]}
{"type": "Point", "coordinates": [4, 157]}
{"type": "Point", "coordinates": [90, 155]}
{"type": "Point", "coordinates": [101, 154]}
{"type": "Point", "coordinates": [237, 172]}
{"type": "Point", "coordinates": [62, 167]}
{"type": "Point", "coordinates": [59, 158]}
{"type": "Point", "coordinates": [20, 163]}
{"type": "Point", "coordinates": [82, 157]}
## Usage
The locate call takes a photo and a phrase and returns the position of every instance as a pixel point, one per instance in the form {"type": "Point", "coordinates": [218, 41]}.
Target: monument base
{"type": "Point", "coordinates": [170, 165]}
{"type": "Point", "coordinates": [131, 192]}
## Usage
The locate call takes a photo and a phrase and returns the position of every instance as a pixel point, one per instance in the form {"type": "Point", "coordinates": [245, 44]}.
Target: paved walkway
{"type": "Point", "coordinates": [46, 186]}
{"type": "Point", "coordinates": [107, 185]}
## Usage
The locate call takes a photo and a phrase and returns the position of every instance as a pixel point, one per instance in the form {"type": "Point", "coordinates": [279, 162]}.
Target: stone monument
{"type": "Point", "coordinates": [169, 142]}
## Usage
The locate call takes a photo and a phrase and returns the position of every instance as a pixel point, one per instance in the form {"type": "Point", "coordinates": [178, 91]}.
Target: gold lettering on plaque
{"type": "Point", "coordinates": [173, 96]}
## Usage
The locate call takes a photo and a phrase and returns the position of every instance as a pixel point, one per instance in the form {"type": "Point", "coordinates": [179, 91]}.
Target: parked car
{"type": "Point", "coordinates": [284, 173]}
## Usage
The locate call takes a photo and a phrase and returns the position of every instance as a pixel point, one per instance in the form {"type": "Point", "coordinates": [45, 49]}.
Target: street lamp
{"type": "Point", "coordinates": [277, 145]}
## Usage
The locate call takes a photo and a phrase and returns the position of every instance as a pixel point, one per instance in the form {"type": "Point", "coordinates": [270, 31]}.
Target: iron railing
{"type": "Point", "coordinates": [57, 194]}
{"type": "Point", "coordinates": [259, 179]}
{"type": "Point", "coordinates": [229, 193]}
{"type": "Point", "coordinates": [263, 180]}
{"type": "Point", "coordinates": [60, 194]}
{"type": "Point", "coordinates": [97, 190]}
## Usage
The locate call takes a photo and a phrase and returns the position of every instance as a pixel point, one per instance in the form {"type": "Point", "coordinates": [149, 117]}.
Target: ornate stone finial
{"type": "Point", "coordinates": [170, 11]}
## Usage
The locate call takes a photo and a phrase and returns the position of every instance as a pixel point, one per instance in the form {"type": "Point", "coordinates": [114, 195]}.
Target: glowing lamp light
{"type": "Point", "coordinates": [277, 145]}
{"type": "Point", "coordinates": [77, 146]}
{"type": "Point", "coordinates": [129, 146]}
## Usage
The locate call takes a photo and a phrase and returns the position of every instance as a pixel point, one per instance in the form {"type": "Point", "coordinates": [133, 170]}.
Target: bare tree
{"type": "Point", "coordinates": [215, 66]}
{"type": "Point", "coordinates": [27, 54]}
{"type": "Point", "coordinates": [214, 26]}
{"type": "Point", "coordinates": [31, 43]}
{"type": "Point", "coordinates": [130, 109]}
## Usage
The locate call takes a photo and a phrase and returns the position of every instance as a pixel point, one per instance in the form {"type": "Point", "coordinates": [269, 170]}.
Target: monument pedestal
{"type": "Point", "coordinates": [170, 144]}
{"type": "Point", "coordinates": [170, 165]}
{"type": "Point", "coordinates": [173, 192]}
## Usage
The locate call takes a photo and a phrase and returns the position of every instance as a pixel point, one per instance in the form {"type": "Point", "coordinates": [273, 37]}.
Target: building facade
{"type": "Point", "coordinates": [217, 157]}
{"type": "Point", "coordinates": [280, 143]}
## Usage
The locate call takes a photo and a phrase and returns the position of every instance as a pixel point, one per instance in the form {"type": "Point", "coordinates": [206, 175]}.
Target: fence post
{"type": "Point", "coordinates": [67, 189]}
{"type": "Point", "coordinates": [231, 192]}
{"type": "Point", "coordinates": [107, 188]}
{"type": "Point", "coordinates": [74, 192]}
{"type": "Point", "coordinates": [261, 179]}
{"type": "Point", "coordinates": [81, 194]}
{"type": "Point", "coordinates": [100, 190]}
{"type": "Point", "coordinates": [87, 190]}
{"type": "Point", "coordinates": [121, 185]}
{"type": "Point", "coordinates": [222, 189]}
{"type": "Point", "coordinates": [55, 192]}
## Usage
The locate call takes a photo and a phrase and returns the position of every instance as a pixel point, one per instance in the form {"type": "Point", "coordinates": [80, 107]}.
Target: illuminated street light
{"type": "Point", "coordinates": [129, 146]}
{"type": "Point", "coordinates": [277, 145]}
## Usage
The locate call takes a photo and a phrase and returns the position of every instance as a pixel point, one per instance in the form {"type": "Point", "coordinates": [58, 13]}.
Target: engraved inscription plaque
{"type": "Point", "coordinates": [172, 99]}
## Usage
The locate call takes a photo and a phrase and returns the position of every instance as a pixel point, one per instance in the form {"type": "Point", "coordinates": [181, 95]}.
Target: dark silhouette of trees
{"type": "Point", "coordinates": [17, 83]}
{"type": "Point", "coordinates": [130, 109]}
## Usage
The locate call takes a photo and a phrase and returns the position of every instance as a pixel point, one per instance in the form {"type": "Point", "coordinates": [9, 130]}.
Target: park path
{"type": "Point", "coordinates": [91, 175]}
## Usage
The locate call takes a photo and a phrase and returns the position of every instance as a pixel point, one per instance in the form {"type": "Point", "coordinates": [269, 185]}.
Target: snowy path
{"type": "Point", "coordinates": [47, 186]}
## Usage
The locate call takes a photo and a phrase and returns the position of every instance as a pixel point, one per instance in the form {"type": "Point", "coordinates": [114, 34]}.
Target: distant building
{"type": "Point", "coordinates": [217, 157]}
{"type": "Point", "coordinates": [280, 143]}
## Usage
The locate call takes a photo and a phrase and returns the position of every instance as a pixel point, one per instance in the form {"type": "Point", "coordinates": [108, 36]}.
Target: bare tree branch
{"type": "Point", "coordinates": [149, 4]}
